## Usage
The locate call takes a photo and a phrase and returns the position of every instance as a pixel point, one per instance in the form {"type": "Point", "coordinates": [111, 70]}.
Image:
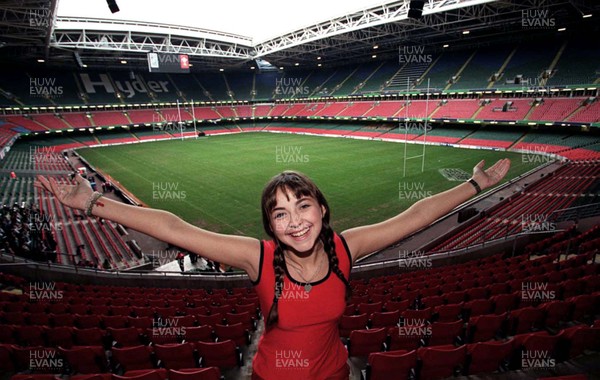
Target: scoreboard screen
{"type": "Point", "coordinates": [168, 63]}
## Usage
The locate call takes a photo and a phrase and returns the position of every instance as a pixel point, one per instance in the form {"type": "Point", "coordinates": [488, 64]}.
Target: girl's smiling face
{"type": "Point", "coordinates": [296, 222]}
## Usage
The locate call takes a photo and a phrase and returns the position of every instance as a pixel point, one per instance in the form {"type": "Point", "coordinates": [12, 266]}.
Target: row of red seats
{"type": "Point", "coordinates": [466, 277]}
{"type": "Point", "coordinates": [95, 359]}
{"type": "Point", "coordinates": [209, 373]}
{"type": "Point", "coordinates": [90, 329]}
{"type": "Point", "coordinates": [486, 319]}
{"type": "Point", "coordinates": [437, 362]}
{"type": "Point", "coordinates": [565, 283]}
{"type": "Point", "coordinates": [174, 308]}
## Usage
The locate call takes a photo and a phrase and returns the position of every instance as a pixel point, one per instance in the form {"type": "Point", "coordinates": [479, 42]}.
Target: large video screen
{"type": "Point", "coordinates": [168, 63]}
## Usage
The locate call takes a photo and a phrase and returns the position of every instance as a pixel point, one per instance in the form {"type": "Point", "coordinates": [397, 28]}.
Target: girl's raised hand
{"type": "Point", "coordinates": [492, 175]}
{"type": "Point", "coordinates": [74, 196]}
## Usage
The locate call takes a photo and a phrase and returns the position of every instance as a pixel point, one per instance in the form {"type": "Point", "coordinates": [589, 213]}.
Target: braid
{"type": "Point", "coordinates": [329, 247]}
{"type": "Point", "coordinates": [278, 262]}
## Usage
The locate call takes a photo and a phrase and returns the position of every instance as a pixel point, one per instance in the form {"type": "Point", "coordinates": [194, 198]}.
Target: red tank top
{"type": "Point", "coordinates": [305, 342]}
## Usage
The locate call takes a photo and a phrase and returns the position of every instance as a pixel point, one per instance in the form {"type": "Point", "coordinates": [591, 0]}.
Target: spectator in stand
{"type": "Point", "coordinates": [26, 232]}
{"type": "Point", "coordinates": [181, 260]}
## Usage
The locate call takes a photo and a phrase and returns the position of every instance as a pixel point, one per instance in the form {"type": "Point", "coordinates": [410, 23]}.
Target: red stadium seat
{"type": "Point", "coordinates": [152, 374]}
{"type": "Point", "coordinates": [384, 319]}
{"type": "Point", "coordinates": [448, 313]}
{"type": "Point", "coordinates": [369, 308]}
{"type": "Point", "coordinates": [210, 373]}
{"type": "Point", "coordinates": [85, 359]}
{"type": "Point", "coordinates": [7, 334]}
{"type": "Point", "coordinates": [407, 337]}
{"type": "Point", "coordinates": [364, 342]}
{"type": "Point", "coordinates": [89, 337]}
{"type": "Point", "coordinates": [6, 358]}
{"type": "Point", "coordinates": [396, 305]}
{"type": "Point", "coordinates": [199, 334]}
{"type": "Point", "coordinates": [557, 312]}
{"type": "Point", "coordinates": [245, 318]}
{"type": "Point", "coordinates": [579, 341]}
{"type": "Point", "coordinates": [441, 361]}
{"type": "Point", "coordinates": [125, 337]}
{"type": "Point", "coordinates": [62, 320]}
{"type": "Point", "coordinates": [176, 356]}
{"type": "Point", "coordinates": [30, 335]}
{"type": "Point", "coordinates": [133, 358]}
{"type": "Point", "coordinates": [223, 354]}
{"type": "Point", "coordinates": [114, 321]}
{"type": "Point", "coordinates": [399, 365]}
{"type": "Point", "coordinates": [352, 322]}
{"type": "Point", "coordinates": [60, 337]}
{"type": "Point", "coordinates": [489, 356]}
{"type": "Point", "coordinates": [478, 307]}
{"type": "Point", "coordinates": [103, 376]}
{"type": "Point", "coordinates": [444, 333]}
{"type": "Point", "coordinates": [140, 323]}
{"type": "Point", "coordinates": [417, 315]}
{"type": "Point", "coordinates": [526, 319]}
{"type": "Point", "coordinates": [87, 321]}
{"type": "Point", "coordinates": [486, 327]}
{"type": "Point", "coordinates": [505, 302]}
{"type": "Point", "coordinates": [209, 320]}
{"type": "Point", "coordinates": [236, 332]}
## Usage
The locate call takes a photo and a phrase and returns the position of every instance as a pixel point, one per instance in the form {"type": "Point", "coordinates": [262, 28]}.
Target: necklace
{"type": "Point", "coordinates": [307, 285]}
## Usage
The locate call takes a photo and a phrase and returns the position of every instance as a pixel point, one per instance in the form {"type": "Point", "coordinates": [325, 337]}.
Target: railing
{"type": "Point", "coordinates": [573, 213]}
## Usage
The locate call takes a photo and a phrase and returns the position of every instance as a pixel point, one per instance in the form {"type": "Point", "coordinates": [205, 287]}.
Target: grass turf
{"type": "Point", "coordinates": [216, 182]}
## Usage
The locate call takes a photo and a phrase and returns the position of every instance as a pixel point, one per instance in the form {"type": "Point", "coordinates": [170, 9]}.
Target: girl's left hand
{"type": "Point", "coordinates": [492, 175]}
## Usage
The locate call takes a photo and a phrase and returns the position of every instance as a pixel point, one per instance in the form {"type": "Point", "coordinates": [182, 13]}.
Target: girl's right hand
{"type": "Point", "coordinates": [74, 196]}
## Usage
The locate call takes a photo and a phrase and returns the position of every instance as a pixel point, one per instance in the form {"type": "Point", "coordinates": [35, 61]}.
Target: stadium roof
{"type": "Point", "coordinates": [259, 20]}
{"type": "Point", "coordinates": [214, 36]}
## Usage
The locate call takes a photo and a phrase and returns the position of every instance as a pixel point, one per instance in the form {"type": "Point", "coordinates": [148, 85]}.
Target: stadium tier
{"type": "Point", "coordinates": [567, 187]}
{"type": "Point", "coordinates": [523, 66]}
{"type": "Point", "coordinates": [489, 302]}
